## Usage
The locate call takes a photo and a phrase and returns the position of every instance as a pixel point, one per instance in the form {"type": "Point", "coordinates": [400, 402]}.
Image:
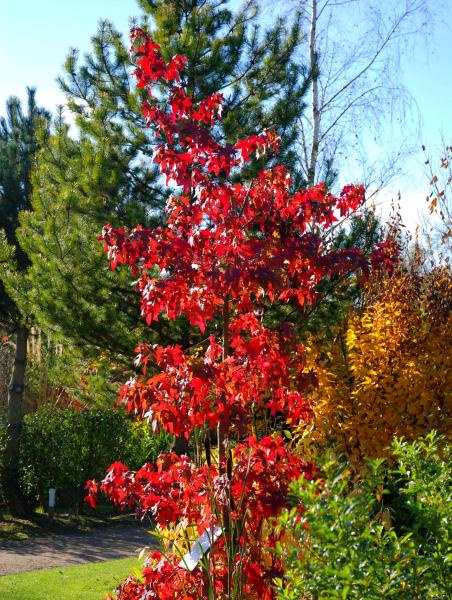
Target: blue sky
{"type": "Point", "coordinates": [36, 35]}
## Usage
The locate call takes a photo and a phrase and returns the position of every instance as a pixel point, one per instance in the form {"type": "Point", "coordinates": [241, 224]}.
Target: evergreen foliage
{"type": "Point", "coordinates": [18, 143]}
{"type": "Point", "coordinates": [20, 136]}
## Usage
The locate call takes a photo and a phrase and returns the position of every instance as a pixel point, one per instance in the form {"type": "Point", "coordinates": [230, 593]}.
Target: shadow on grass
{"type": "Point", "coordinates": [39, 525]}
{"type": "Point", "coordinates": [101, 544]}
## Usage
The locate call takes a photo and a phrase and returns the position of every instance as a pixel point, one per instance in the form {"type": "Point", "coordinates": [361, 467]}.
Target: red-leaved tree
{"type": "Point", "coordinates": [227, 252]}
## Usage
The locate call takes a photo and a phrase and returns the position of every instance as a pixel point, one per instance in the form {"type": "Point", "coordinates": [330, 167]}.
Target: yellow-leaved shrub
{"type": "Point", "coordinates": [388, 372]}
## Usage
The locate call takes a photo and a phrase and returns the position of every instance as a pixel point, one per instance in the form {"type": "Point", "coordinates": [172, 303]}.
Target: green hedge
{"type": "Point", "coordinates": [63, 448]}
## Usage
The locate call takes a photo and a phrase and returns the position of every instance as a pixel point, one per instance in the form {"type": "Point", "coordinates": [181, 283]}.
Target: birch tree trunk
{"type": "Point", "coordinates": [316, 112]}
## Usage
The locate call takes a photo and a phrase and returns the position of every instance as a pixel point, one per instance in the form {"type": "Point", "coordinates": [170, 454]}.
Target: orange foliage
{"type": "Point", "coordinates": [389, 370]}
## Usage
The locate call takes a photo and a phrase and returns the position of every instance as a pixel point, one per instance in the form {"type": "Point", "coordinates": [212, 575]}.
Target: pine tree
{"type": "Point", "coordinates": [105, 173]}
{"type": "Point", "coordinates": [19, 140]}
{"type": "Point", "coordinates": [263, 86]}
{"type": "Point", "coordinates": [339, 296]}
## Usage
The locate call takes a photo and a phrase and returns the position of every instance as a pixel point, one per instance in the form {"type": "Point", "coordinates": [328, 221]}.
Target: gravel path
{"type": "Point", "coordinates": [121, 541]}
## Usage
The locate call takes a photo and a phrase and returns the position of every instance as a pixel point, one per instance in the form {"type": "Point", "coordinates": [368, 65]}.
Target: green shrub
{"type": "Point", "coordinates": [354, 539]}
{"type": "Point", "coordinates": [2, 444]}
{"type": "Point", "coordinates": [62, 448]}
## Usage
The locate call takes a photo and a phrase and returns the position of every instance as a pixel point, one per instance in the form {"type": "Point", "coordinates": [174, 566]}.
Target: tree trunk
{"type": "Point", "coordinates": [15, 413]}
{"type": "Point", "coordinates": [223, 467]}
{"type": "Point", "coordinates": [180, 446]}
{"type": "Point", "coordinates": [222, 428]}
{"type": "Point", "coordinates": [314, 64]}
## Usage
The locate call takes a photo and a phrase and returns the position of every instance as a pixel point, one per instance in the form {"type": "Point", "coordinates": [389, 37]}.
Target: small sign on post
{"type": "Point", "coordinates": [51, 509]}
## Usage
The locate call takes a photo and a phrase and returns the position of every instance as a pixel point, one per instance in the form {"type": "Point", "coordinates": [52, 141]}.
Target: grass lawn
{"type": "Point", "coordinates": [80, 582]}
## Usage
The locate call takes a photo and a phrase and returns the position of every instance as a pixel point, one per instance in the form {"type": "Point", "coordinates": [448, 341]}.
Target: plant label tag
{"type": "Point", "coordinates": [201, 547]}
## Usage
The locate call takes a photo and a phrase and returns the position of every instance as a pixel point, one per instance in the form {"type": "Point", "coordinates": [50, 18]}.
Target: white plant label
{"type": "Point", "coordinates": [201, 547]}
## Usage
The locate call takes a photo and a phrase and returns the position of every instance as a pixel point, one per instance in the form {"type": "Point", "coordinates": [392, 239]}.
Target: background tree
{"type": "Point", "coordinates": [437, 228]}
{"type": "Point", "coordinates": [251, 65]}
{"type": "Point", "coordinates": [105, 173]}
{"type": "Point", "coordinates": [356, 96]}
{"type": "Point", "coordinates": [19, 135]}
